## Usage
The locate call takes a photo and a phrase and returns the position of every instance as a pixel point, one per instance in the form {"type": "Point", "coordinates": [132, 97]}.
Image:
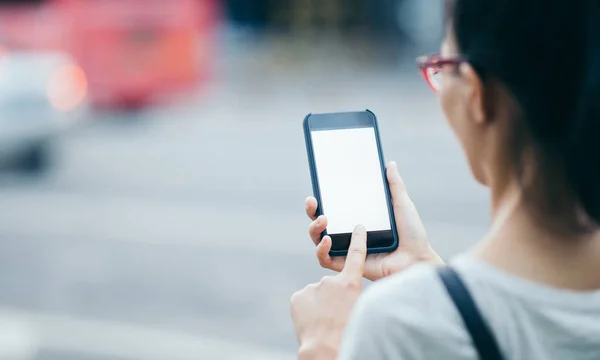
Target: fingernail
{"type": "Point", "coordinates": [360, 229]}
{"type": "Point", "coordinates": [394, 168]}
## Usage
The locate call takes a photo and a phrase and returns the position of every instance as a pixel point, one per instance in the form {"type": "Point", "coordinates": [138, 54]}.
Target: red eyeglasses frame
{"type": "Point", "coordinates": [436, 62]}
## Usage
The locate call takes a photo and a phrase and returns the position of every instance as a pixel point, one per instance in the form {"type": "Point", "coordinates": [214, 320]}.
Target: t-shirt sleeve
{"type": "Point", "coordinates": [406, 316]}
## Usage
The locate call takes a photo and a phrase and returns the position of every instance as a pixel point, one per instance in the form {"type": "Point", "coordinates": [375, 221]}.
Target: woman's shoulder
{"type": "Point", "coordinates": [420, 291]}
{"type": "Point", "coordinates": [411, 316]}
{"type": "Point", "coordinates": [409, 294]}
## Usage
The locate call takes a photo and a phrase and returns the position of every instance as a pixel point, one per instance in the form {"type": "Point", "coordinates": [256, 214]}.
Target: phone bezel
{"type": "Point", "coordinates": [350, 120]}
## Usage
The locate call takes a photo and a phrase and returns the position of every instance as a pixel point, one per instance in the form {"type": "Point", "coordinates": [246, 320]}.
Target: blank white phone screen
{"type": "Point", "coordinates": [350, 179]}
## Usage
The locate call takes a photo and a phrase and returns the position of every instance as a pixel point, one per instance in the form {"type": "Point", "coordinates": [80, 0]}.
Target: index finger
{"type": "Point", "coordinates": [311, 207]}
{"type": "Point", "coordinates": [357, 253]}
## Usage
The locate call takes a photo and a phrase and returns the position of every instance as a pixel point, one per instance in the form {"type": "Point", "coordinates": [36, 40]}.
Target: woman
{"type": "Point", "coordinates": [519, 82]}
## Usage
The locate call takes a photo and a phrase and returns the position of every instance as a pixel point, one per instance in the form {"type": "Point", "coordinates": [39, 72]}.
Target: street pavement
{"type": "Point", "coordinates": [179, 232]}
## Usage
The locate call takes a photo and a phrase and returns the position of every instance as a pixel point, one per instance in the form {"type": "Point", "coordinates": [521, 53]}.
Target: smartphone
{"type": "Point", "coordinates": [349, 179]}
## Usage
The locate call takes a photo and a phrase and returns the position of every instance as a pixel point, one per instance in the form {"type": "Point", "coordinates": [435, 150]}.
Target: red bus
{"type": "Point", "coordinates": [133, 51]}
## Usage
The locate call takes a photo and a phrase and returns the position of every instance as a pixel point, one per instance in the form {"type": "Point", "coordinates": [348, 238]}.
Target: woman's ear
{"type": "Point", "coordinates": [474, 94]}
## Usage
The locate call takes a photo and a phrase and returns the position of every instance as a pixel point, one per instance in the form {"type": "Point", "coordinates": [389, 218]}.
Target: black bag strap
{"type": "Point", "coordinates": [483, 338]}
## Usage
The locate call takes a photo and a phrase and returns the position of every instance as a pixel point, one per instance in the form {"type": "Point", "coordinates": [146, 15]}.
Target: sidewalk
{"type": "Point", "coordinates": [24, 334]}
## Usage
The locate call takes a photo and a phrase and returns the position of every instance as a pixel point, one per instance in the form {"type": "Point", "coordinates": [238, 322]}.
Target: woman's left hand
{"type": "Point", "coordinates": [320, 311]}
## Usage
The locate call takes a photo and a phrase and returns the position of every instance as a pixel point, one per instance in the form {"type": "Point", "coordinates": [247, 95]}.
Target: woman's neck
{"type": "Point", "coordinates": [518, 244]}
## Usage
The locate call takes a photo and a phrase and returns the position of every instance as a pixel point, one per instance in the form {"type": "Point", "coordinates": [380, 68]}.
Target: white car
{"type": "Point", "coordinates": [41, 95]}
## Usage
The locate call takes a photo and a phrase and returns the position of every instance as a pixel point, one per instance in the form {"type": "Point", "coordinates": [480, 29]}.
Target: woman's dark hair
{"type": "Point", "coordinates": [546, 53]}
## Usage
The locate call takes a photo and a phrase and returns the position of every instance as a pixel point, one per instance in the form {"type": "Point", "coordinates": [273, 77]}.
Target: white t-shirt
{"type": "Point", "coordinates": [410, 316]}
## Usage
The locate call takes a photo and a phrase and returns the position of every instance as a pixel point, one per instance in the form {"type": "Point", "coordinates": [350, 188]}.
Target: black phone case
{"type": "Point", "coordinates": [317, 193]}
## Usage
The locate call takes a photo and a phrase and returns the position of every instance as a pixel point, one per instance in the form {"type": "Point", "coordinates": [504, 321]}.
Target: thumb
{"type": "Point", "coordinates": [397, 187]}
{"type": "Point", "coordinates": [357, 254]}
{"type": "Point", "coordinates": [407, 218]}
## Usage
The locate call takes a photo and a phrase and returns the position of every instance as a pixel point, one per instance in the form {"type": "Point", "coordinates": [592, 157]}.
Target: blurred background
{"type": "Point", "coordinates": [153, 168]}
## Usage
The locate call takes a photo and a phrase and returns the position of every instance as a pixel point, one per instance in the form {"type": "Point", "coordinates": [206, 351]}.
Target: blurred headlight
{"type": "Point", "coordinates": [67, 88]}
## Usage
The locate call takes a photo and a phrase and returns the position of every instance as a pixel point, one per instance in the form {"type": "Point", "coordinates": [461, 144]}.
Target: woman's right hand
{"type": "Point", "coordinates": [413, 246]}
